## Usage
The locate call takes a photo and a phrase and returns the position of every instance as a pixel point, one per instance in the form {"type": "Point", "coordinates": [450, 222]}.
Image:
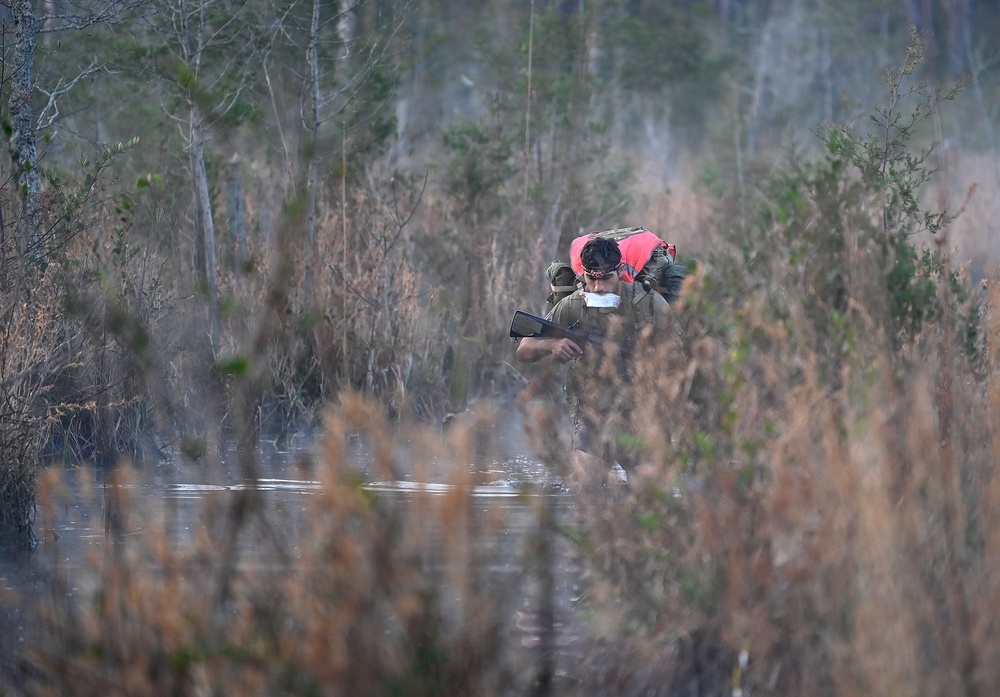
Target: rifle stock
{"type": "Point", "coordinates": [525, 325]}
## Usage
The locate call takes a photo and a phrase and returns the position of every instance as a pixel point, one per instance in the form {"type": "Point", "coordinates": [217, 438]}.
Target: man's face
{"type": "Point", "coordinates": [605, 282]}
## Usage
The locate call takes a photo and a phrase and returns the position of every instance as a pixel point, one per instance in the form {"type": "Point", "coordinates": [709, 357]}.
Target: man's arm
{"type": "Point", "coordinates": [548, 336]}
{"type": "Point", "coordinates": [533, 349]}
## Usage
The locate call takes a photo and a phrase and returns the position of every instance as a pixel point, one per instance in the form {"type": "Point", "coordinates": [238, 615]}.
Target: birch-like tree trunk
{"type": "Point", "coordinates": [192, 46]}
{"type": "Point", "coordinates": [206, 222]}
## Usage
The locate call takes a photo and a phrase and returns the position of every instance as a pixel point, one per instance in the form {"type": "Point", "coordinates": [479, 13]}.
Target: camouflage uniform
{"type": "Point", "coordinates": [590, 380]}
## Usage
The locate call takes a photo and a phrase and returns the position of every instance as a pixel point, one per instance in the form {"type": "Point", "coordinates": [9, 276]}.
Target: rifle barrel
{"type": "Point", "coordinates": [525, 325]}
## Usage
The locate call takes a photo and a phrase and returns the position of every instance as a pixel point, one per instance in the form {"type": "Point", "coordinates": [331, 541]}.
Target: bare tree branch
{"type": "Point", "coordinates": [50, 112]}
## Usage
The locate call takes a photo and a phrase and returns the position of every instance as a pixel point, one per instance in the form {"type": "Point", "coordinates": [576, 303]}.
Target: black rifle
{"type": "Point", "coordinates": [525, 325]}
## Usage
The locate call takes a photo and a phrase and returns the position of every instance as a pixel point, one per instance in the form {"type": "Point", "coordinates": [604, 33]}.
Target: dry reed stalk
{"type": "Point", "coordinates": [378, 596]}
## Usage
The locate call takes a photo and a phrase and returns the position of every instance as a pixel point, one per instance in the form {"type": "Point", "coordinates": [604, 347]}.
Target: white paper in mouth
{"type": "Point", "coordinates": [602, 299]}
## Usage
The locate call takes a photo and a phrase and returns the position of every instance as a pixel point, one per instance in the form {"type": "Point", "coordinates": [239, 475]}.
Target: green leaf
{"type": "Point", "coordinates": [235, 365]}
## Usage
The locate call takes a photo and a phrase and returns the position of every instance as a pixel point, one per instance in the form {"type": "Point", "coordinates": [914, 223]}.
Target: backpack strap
{"type": "Point", "coordinates": [642, 307]}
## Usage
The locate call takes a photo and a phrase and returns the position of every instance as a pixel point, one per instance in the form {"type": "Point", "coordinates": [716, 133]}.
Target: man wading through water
{"type": "Point", "coordinates": [620, 311]}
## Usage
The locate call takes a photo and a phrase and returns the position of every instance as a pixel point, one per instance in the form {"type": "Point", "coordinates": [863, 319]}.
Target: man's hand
{"type": "Point", "coordinates": [532, 349]}
{"type": "Point", "coordinates": [566, 350]}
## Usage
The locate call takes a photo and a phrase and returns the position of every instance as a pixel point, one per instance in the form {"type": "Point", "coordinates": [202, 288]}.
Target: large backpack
{"type": "Point", "coordinates": [647, 260]}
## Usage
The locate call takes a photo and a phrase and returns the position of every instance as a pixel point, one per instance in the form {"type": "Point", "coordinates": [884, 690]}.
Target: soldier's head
{"type": "Point", "coordinates": [602, 260]}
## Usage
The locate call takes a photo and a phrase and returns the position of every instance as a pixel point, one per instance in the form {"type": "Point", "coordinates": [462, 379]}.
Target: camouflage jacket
{"type": "Point", "coordinates": [639, 309]}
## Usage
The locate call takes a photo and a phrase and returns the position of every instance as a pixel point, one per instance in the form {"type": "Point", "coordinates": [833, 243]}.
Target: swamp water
{"type": "Point", "coordinates": [473, 530]}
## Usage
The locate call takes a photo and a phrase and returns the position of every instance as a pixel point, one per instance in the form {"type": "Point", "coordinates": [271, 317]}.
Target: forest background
{"type": "Point", "coordinates": [218, 216]}
{"type": "Point", "coordinates": [221, 219]}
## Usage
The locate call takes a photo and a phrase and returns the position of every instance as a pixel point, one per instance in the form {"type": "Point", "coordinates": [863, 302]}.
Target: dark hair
{"type": "Point", "coordinates": [600, 254]}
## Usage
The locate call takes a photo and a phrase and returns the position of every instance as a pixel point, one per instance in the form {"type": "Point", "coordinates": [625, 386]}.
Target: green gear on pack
{"type": "Point", "coordinates": [562, 280]}
{"type": "Point", "coordinates": [663, 274]}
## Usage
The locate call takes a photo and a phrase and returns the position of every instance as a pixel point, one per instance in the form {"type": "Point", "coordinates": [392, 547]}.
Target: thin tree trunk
{"type": "Point", "coordinates": [239, 252]}
{"type": "Point", "coordinates": [958, 32]}
{"type": "Point", "coordinates": [22, 143]}
{"type": "Point", "coordinates": [200, 264]}
{"type": "Point", "coordinates": [826, 63]}
{"type": "Point", "coordinates": [192, 45]}
{"type": "Point", "coordinates": [758, 96]}
{"type": "Point", "coordinates": [288, 170]}
{"type": "Point", "coordinates": [343, 229]}
{"type": "Point", "coordinates": [527, 129]}
{"type": "Point", "coordinates": [347, 25]}
{"type": "Point", "coordinates": [312, 126]}
{"type": "Point", "coordinates": [207, 224]}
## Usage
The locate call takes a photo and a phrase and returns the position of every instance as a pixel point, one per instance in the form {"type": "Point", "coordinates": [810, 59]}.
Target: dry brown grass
{"type": "Point", "coordinates": [841, 538]}
{"type": "Point", "coordinates": [838, 534]}
{"type": "Point", "coordinates": [378, 596]}
{"type": "Point", "coordinates": [30, 353]}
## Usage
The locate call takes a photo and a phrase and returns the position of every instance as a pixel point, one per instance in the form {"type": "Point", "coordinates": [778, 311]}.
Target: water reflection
{"type": "Point", "coordinates": [84, 516]}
